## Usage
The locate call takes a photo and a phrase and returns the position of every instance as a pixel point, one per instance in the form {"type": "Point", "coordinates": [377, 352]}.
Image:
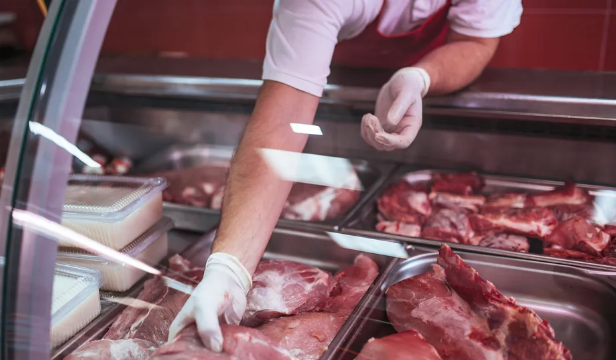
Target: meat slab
{"type": "Point", "coordinates": [405, 203]}
{"type": "Point", "coordinates": [240, 343]}
{"type": "Point", "coordinates": [454, 201]}
{"type": "Point", "coordinates": [283, 287]}
{"type": "Point", "coordinates": [578, 255]}
{"type": "Point", "coordinates": [578, 234]}
{"type": "Point", "coordinates": [133, 349]}
{"type": "Point", "coordinates": [451, 225]}
{"type": "Point", "coordinates": [502, 241]}
{"type": "Point", "coordinates": [399, 228]}
{"type": "Point", "coordinates": [569, 194]}
{"type": "Point", "coordinates": [353, 281]}
{"type": "Point", "coordinates": [306, 336]}
{"type": "Point", "coordinates": [533, 221]}
{"type": "Point", "coordinates": [463, 183]}
{"type": "Point", "coordinates": [406, 345]}
{"type": "Point", "coordinates": [517, 329]}
{"type": "Point", "coordinates": [513, 200]}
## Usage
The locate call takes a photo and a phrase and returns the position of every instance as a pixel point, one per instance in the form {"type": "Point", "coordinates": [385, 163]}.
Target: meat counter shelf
{"type": "Point", "coordinates": [186, 217]}
{"type": "Point", "coordinates": [363, 222]}
{"type": "Point", "coordinates": [577, 305]}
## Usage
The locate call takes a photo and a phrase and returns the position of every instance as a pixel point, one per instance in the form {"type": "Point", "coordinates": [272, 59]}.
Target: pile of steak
{"type": "Point", "coordinates": [463, 317]}
{"type": "Point", "coordinates": [204, 186]}
{"type": "Point", "coordinates": [452, 208]}
{"type": "Point", "coordinates": [293, 313]}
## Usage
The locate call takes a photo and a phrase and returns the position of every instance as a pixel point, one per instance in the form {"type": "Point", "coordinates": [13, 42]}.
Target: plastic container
{"type": "Point", "coordinates": [150, 248]}
{"type": "Point", "coordinates": [75, 303]}
{"type": "Point", "coordinates": [112, 210]}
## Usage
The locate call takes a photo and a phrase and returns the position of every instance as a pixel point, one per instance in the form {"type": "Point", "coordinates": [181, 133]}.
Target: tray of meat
{"type": "Point", "coordinates": [469, 306]}
{"type": "Point", "coordinates": [303, 292]}
{"type": "Point", "coordinates": [197, 175]}
{"type": "Point", "coordinates": [507, 216]}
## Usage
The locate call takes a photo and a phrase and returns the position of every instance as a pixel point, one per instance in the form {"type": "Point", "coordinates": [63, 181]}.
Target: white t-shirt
{"type": "Point", "coordinates": [303, 33]}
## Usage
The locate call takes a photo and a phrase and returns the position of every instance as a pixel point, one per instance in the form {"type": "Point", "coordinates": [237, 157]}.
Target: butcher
{"type": "Point", "coordinates": [434, 46]}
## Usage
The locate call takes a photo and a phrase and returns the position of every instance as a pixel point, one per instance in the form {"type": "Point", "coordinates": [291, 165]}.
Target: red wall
{"type": "Point", "coordinates": [562, 34]}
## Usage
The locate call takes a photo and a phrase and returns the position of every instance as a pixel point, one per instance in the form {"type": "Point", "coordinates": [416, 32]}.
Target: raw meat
{"type": "Point", "coordinates": [534, 221]}
{"type": "Point", "coordinates": [578, 255]}
{"type": "Point", "coordinates": [407, 345]}
{"type": "Point", "coordinates": [448, 225]}
{"type": "Point", "coordinates": [565, 212]}
{"type": "Point", "coordinates": [195, 185]}
{"type": "Point", "coordinates": [514, 200]}
{"type": "Point", "coordinates": [505, 242]}
{"type": "Point", "coordinates": [454, 201]}
{"type": "Point", "coordinates": [399, 228]}
{"type": "Point", "coordinates": [283, 287]}
{"type": "Point", "coordinates": [405, 202]}
{"type": "Point", "coordinates": [133, 349]}
{"type": "Point", "coordinates": [518, 329]}
{"type": "Point", "coordinates": [305, 336]}
{"type": "Point", "coordinates": [426, 303]}
{"type": "Point", "coordinates": [577, 234]}
{"type": "Point", "coordinates": [610, 230]}
{"type": "Point", "coordinates": [610, 249]}
{"type": "Point", "coordinates": [240, 343]}
{"type": "Point", "coordinates": [354, 281]}
{"type": "Point", "coordinates": [463, 184]}
{"type": "Point", "coordinates": [569, 194]}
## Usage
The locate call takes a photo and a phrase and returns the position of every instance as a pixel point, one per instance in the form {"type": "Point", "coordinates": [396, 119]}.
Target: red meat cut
{"type": "Point", "coordinates": [513, 200]}
{"type": "Point", "coordinates": [406, 345]}
{"type": "Point", "coordinates": [306, 336]}
{"type": "Point", "coordinates": [454, 201]}
{"type": "Point", "coordinates": [463, 183]}
{"type": "Point", "coordinates": [448, 225]}
{"type": "Point", "coordinates": [133, 349]}
{"type": "Point", "coordinates": [426, 303]}
{"type": "Point", "coordinates": [354, 281]}
{"type": "Point", "coordinates": [399, 228]}
{"type": "Point", "coordinates": [283, 287]}
{"type": "Point", "coordinates": [565, 212]}
{"type": "Point", "coordinates": [405, 202]}
{"type": "Point", "coordinates": [517, 329]}
{"type": "Point", "coordinates": [502, 241]}
{"type": "Point", "coordinates": [240, 343]}
{"type": "Point", "coordinates": [569, 194]}
{"type": "Point", "coordinates": [577, 234]}
{"type": "Point", "coordinates": [533, 222]}
{"type": "Point", "coordinates": [578, 255]}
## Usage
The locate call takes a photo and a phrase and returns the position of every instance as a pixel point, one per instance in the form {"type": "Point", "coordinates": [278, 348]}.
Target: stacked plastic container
{"type": "Point", "coordinates": [122, 213]}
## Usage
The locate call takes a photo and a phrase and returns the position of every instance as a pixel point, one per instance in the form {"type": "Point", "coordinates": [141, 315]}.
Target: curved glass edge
{"type": "Point", "coordinates": [38, 165]}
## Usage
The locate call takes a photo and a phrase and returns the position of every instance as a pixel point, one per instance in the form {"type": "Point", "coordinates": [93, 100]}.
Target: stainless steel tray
{"type": "Point", "coordinates": [578, 305]}
{"type": "Point", "coordinates": [311, 248]}
{"type": "Point", "coordinates": [192, 218]}
{"type": "Point", "coordinates": [364, 220]}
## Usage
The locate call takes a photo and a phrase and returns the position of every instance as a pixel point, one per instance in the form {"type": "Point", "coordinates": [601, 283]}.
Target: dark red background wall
{"type": "Point", "coordinates": [562, 34]}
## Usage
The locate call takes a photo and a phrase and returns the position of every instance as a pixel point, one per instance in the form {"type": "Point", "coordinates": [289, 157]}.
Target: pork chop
{"type": "Point", "coordinates": [406, 345]}
{"type": "Point", "coordinates": [354, 281]}
{"type": "Point", "coordinates": [578, 234]}
{"type": "Point", "coordinates": [533, 221]}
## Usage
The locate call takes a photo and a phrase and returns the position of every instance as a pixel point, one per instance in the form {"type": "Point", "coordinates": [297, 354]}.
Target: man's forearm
{"type": "Point", "coordinates": [255, 196]}
{"type": "Point", "coordinates": [457, 63]}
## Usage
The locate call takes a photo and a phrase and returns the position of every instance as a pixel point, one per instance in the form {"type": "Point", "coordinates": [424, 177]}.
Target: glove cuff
{"type": "Point", "coordinates": [425, 78]}
{"type": "Point", "coordinates": [233, 264]}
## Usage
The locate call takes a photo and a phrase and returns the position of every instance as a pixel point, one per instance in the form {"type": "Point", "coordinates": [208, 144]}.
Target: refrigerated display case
{"type": "Point", "coordinates": [151, 125]}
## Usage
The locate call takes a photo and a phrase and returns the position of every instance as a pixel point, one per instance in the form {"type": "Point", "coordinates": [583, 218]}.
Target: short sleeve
{"type": "Point", "coordinates": [485, 18]}
{"type": "Point", "coordinates": [302, 37]}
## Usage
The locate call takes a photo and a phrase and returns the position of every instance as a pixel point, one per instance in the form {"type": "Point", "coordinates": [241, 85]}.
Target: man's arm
{"type": "Point", "coordinates": [255, 196]}
{"type": "Point", "coordinates": [457, 63]}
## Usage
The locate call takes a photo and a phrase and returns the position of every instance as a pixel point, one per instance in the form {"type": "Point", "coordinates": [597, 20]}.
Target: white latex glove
{"type": "Point", "coordinates": [398, 111]}
{"type": "Point", "coordinates": [220, 295]}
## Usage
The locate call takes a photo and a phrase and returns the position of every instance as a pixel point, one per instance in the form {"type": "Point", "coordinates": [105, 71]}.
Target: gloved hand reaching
{"type": "Point", "coordinates": [398, 111]}
{"type": "Point", "coordinates": [221, 294]}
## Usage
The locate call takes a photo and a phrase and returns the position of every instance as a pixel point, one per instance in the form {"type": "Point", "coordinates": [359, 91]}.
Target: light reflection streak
{"type": "Point", "coordinates": [47, 133]}
{"type": "Point", "coordinates": [134, 303]}
{"type": "Point", "coordinates": [381, 247]}
{"type": "Point", "coordinates": [306, 129]}
{"type": "Point", "coordinates": [47, 227]}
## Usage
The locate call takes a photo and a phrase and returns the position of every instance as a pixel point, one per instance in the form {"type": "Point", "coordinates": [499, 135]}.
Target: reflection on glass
{"type": "Point", "coordinates": [42, 130]}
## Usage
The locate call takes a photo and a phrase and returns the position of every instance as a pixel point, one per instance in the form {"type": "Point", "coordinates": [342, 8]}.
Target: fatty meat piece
{"type": "Point", "coordinates": [569, 194]}
{"type": "Point", "coordinates": [283, 287]}
{"type": "Point", "coordinates": [532, 222]}
{"type": "Point", "coordinates": [133, 349]}
{"type": "Point", "coordinates": [406, 345]}
{"type": "Point", "coordinates": [454, 201]}
{"type": "Point", "coordinates": [305, 336]}
{"type": "Point", "coordinates": [463, 183]}
{"type": "Point", "coordinates": [512, 200]}
{"type": "Point", "coordinates": [451, 225]}
{"type": "Point", "coordinates": [517, 329]}
{"type": "Point", "coordinates": [353, 281]}
{"type": "Point", "coordinates": [405, 203]}
{"type": "Point", "coordinates": [240, 343]}
{"type": "Point", "coordinates": [504, 242]}
{"type": "Point", "coordinates": [578, 255]}
{"type": "Point", "coordinates": [399, 228]}
{"type": "Point", "coordinates": [577, 234]}
{"type": "Point", "coordinates": [427, 304]}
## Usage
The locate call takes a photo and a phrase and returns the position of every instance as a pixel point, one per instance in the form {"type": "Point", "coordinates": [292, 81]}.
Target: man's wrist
{"type": "Point", "coordinates": [423, 77]}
